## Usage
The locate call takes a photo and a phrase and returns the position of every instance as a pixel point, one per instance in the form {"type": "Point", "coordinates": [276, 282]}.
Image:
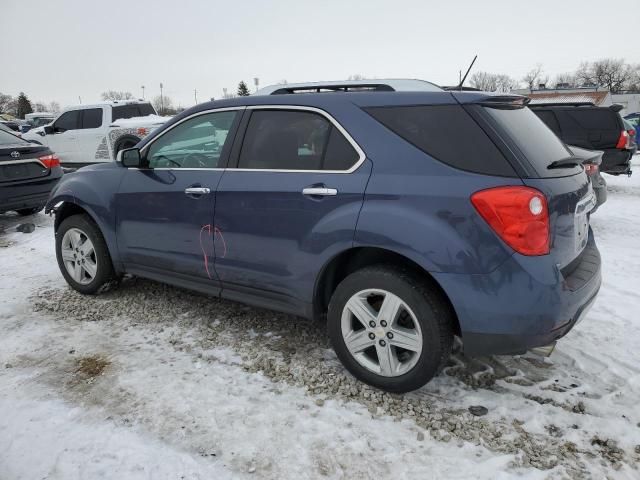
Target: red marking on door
{"type": "Point", "coordinates": [204, 253]}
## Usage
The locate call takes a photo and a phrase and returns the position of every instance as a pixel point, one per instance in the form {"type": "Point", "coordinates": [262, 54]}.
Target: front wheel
{"type": "Point", "coordinates": [389, 328]}
{"type": "Point", "coordinates": [82, 255]}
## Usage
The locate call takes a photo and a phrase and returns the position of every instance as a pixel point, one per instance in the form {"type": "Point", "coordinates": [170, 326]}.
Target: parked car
{"type": "Point", "coordinates": [35, 120]}
{"type": "Point", "coordinates": [13, 125]}
{"type": "Point", "coordinates": [594, 128]}
{"type": "Point", "coordinates": [28, 172]}
{"type": "Point", "coordinates": [88, 134]}
{"type": "Point", "coordinates": [363, 207]}
{"type": "Point", "coordinates": [591, 161]}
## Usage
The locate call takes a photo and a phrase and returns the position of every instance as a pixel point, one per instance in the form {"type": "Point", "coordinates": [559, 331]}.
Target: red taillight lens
{"type": "Point", "coordinates": [519, 215]}
{"type": "Point", "coordinates": [590, 168]}
{"type": "Point", "coordinates": [50, 161]}
{"type": "Point", "coordinates": [623, 141]}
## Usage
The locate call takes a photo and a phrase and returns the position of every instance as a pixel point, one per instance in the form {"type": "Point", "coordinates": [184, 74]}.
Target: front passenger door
{"type": "Point", "coordinates": [165, 211]}
{"type": "Point", "coordinates": [63, 139]}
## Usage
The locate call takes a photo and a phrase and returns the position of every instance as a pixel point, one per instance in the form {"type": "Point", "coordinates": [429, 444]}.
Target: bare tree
{"type": "Point", "coordinates": [163, 105]}
{"type": "Point", "coordinates": [611, 73]}
{"type": "Point", "coordinates": [5, 102]}
{"type": "Point", "coordinates": [39, 106]}
{"type": "Point", "coordinates": [566, 79]}
{"type": "Point", "coordinates": [356, 76]}
{"type": "Point", "coordinates": [116, 95]}
{"type": "Point", "coordinates": [493, 82]}
{"type": "Point", "coordinates": [53, 107]}
{"type": "Point", "coordinates": [535, 77]}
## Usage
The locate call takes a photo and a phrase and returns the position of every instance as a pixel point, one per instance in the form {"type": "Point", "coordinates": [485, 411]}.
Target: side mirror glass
{"type": "Point", "coordinates": [49, 130]}
{"type": "Point", "coordinates": [130, 158]}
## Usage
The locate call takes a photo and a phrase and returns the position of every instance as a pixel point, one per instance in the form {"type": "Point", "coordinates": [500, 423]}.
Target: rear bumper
{"type": "Point", "coordinates": [527, 302]}
{"type": "Point", "coordinates": [616, 162]}
{"type": "Point", "coordinates": [28, 193]}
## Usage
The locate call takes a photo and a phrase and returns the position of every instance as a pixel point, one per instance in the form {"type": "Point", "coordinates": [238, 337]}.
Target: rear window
{"type": "Point", "coordinates": [7, 138]}
{"type": "Point", "coordinates": [131, 111]}
{"type": "Point", "coordinates": [447, 133]}
{"type": "Point", "coordinates": [539, 145]}
{"type": "Point", "coordinates": [550, 119]}
{"type": "Point", "coordinates": [593, 118]}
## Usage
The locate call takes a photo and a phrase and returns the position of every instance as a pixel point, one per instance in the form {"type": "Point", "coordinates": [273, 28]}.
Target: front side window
{"type": "Point", "coordinates": [68, 121]}
{"type": "Point", "coordinates": [195, 143]}
{"type": "Point", "coordinates": [294, 140]}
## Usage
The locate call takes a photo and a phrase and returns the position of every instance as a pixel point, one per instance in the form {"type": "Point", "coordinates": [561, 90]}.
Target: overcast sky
{"type": "Point", "coordinates": [64, 49]}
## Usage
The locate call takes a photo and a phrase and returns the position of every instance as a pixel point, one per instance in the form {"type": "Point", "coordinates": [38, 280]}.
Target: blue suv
{"type": "Point", "coordinates": [402, 215]}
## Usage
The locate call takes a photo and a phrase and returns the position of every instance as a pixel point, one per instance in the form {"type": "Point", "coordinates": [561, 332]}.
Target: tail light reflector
{"type": "Point", "coordinates": [50, 161]}
{"type": "Point", "coordinates": [519, 215]}
{"type": "Point", "coordinates": [623, 140]}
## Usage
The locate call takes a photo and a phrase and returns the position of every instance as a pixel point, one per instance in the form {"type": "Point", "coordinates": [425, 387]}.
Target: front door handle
{"type": "Point", "coordinates": [320, 191]}
{"type": "Point", "coordinates": [197, 191]}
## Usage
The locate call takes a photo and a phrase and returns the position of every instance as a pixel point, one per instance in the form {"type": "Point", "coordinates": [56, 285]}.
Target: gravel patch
{"type": "Point", "coordinates": [296, 352]}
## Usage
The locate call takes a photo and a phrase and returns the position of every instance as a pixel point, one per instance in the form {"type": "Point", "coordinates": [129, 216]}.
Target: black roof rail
{"type": "Point", "coordinates": [369, 87]}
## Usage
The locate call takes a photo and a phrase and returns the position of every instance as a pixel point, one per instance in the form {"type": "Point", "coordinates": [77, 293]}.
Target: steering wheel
{"type": "Point", "coordinates": [195, 160]}
{"type": "Point", "coordinates": [167, 160]}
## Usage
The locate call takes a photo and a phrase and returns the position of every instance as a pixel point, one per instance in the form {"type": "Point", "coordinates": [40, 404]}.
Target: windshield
{"type": "Point", "coordinates": [7, 138]}
{"type": "Point", "coordinates": [537, 142]}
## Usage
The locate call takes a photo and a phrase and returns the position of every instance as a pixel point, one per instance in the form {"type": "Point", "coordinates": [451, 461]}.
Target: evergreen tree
{"type": "Point", "coordinates": [243, 90]}
{"type": "Point", "coordinates": [24, 105]}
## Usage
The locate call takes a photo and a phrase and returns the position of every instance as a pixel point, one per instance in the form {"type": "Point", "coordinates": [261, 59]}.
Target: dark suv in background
{"type": "Point", "coordinates": [594, 128]}
{"type": "Point", "coordinates": [401, 214]}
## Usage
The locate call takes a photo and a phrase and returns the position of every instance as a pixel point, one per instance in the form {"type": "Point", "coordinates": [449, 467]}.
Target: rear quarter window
{"type": "Point", "coordinates": [447, 133]}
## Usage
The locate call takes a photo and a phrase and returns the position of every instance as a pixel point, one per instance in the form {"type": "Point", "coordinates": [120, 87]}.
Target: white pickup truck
{"type": "Point", "coordinates": [88, 134]}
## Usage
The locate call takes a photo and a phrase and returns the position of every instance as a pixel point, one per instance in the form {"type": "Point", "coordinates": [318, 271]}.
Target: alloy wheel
{"type": "Point", "coordinates": [381, 332]}
{"type": "Point", "coordinates": [79, 256]}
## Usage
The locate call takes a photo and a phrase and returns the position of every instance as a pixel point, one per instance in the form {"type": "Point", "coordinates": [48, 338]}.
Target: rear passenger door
{"type": "Point", "coordinates": [288, 203]}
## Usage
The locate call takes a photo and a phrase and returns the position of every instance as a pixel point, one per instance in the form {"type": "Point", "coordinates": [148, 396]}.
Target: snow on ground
{"type": "Point", "coordinates": [148, 381]}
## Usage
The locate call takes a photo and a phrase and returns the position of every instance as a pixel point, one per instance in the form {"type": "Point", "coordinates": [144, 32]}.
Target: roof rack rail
{"type": "Point", "coordinates": [370, 87]}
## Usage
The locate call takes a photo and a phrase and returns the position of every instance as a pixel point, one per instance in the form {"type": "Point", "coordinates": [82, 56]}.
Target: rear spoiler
{"type": "Point", "coordinates": [504, 101]}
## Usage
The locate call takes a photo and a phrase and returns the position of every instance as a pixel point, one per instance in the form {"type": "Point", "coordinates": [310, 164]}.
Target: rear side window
{"type": "Point", "coordinates": [294, 140]}
{"type": "Point", "coordinates": [539, 145]}
{"type": "Point", "coordinates": [92, 118]}
{"type": "Point", "coordinates": [131, 111]}
{"type": "Point", "coordinates": [447, 133]}
{"type": "Point", "coordinates": [68, 121]}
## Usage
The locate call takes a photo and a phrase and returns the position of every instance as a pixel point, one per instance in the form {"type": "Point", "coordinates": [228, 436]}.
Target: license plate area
{"type": "Point", "coordinates": [581, 221]}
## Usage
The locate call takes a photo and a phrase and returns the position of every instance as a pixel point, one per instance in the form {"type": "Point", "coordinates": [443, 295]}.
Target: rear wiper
{"type": "Point", "coordinates": [565, 163]}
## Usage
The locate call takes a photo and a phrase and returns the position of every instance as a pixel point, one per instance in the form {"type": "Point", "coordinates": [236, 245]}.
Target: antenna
{"type": "Point", "coordinates": [459, 87]}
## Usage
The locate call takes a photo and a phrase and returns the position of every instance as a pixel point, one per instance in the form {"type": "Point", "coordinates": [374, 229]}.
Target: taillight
{"type": "Point", "coordinates": [590, 168]}
{"type": "Point", "coordinates": [519, 215]}
{"type": "Point", "coordinates": [623, 141]}
{"type": "Point", "coordinates": [50, 161]}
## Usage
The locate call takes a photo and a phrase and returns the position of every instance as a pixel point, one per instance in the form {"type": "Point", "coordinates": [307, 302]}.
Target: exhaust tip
{"type": "Point", "coordinates": [545, 350]}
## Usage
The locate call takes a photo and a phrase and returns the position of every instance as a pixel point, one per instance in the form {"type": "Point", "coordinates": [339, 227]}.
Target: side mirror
{"type": "Point", "coordinates": [49, 130]}
{"type": "Point", "coordinates": [130, 158]}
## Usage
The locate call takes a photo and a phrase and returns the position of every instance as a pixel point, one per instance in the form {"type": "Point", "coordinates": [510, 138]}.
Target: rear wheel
{"type": "Point", "coordinates": [389, 328]}
{"type": "Point", "coordinates": [82, 255]}
{"type": "Point", "coordinates": [29, 211]}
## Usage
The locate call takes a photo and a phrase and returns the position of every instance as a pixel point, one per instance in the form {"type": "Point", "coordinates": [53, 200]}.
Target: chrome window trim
{"type": "Point", "coordinates": [361, 155]}
{"type": "Point", "coordinates": [24, 160]}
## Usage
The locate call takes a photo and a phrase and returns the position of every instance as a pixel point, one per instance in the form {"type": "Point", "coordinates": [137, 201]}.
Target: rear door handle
{"type": "Point", "coordinates": [197, 191]}
{"type": "Point", "coordinates": [320, 191]}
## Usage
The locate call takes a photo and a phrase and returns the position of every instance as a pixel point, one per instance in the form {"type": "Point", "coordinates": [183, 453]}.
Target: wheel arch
{"type": "Point", "coordinates": [348, 261]}
{"type": "Point", "coordinates": [125, 138]}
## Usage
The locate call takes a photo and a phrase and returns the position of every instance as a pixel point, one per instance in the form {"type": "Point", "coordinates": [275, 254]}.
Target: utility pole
{"type": "Point", "coordinates": [256, 82]}
{"type": "Point", "coordinates": [195, 95]}
{"type": "Point", "coordinates": [79, 99]}
{"type": "Point", "coordinates": [161, 101]}
{"type": "Point", "coordinates": [142, 91]}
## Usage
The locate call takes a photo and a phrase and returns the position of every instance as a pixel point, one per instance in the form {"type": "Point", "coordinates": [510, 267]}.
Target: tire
{"type": "Point", "coordinates": [100, 259]}
{"type": "Point", "coordinates": [126, 142]}
{"type": "Point", "coordinates": [424, 323]}
{"type": "Point", "coordinates": [28, 211]}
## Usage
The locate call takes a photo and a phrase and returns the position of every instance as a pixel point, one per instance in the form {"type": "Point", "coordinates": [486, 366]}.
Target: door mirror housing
{"type": "Point", "coordinates": [49, 130]}
{"type": "Point", "coordinates": [130, 158]}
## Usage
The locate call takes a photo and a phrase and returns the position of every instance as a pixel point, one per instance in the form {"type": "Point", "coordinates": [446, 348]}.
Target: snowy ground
{"type": "Point", "coordinates": [152, 382]}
